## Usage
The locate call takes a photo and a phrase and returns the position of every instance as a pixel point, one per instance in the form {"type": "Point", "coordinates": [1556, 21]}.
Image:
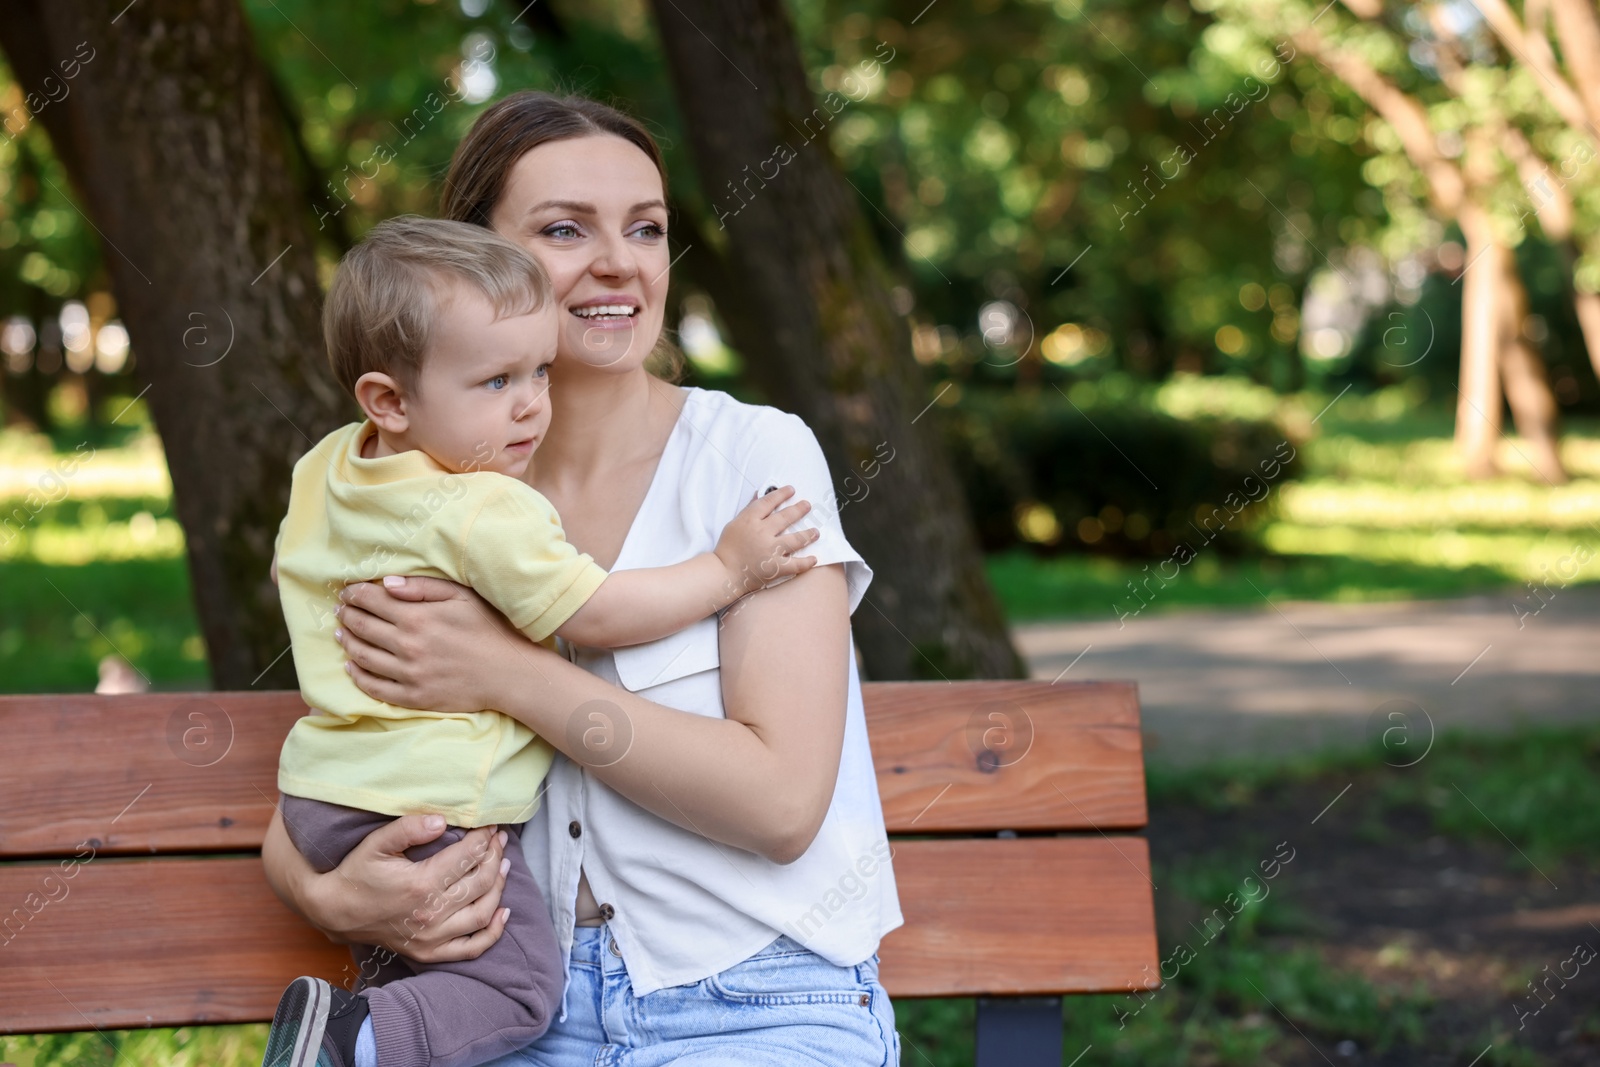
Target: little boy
{"type": "Point", "coordinates": [443, 332]}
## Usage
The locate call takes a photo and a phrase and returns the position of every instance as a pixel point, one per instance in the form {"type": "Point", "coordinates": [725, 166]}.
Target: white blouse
{"type": "Point", "coordinates": [680, 906]}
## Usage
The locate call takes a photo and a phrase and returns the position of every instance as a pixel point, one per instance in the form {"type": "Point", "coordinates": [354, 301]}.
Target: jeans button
{"type": "Point", "coordinates": [615, 951]}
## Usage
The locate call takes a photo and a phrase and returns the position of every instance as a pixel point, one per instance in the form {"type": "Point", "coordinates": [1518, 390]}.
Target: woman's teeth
{"type": "Point", "coordinates": [604, 310]}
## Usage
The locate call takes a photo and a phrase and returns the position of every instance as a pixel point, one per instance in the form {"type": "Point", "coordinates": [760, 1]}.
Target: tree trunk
{"type": "Point", "coordinates": [1478, 406]}
{"type": "Point", "coordinates": [1533, 405]}
{"type": "Point", "coordinates": [1587, 305]}
{"type": "Point", "coordinates": [805, 292]}
{"type": "Point", "coordinates": [170, 133]}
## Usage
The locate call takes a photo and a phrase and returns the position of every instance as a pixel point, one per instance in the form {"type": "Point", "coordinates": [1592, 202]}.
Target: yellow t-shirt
{"type": "Point", "coordinates": [353, 520]}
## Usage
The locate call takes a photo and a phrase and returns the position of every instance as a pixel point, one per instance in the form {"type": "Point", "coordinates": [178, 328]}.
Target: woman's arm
{"type": "Point", "coordinates": [760, 779]}
{"type": "Point", "coordinates": [443, 908]}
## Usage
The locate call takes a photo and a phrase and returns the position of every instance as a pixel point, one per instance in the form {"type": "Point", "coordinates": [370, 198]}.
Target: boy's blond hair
{"type": "Point", "coordinates": [387, 290]}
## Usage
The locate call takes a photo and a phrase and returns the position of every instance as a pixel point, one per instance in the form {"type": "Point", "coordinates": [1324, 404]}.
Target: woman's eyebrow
{"type": "Point", "coordinates": [580, 207]}
{"type": "Point", "coordinates": [576, 206]}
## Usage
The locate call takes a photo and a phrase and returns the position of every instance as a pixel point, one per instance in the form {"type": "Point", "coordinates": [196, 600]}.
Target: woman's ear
{"type": "Point", "coordinates": [384, 401]}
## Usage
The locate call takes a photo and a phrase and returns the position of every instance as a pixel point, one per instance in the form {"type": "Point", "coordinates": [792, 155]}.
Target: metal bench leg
{"type": "Point", "coordinates": [1019, 1032]}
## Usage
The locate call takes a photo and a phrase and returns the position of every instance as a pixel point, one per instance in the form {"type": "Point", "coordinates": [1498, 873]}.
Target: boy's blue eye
{"type": "Point", "coordinates": [541, 371]}
{"type": "Point", "coordinates": [499, 382]}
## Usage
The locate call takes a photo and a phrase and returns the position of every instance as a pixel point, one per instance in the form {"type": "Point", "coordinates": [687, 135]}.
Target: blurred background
{"type": "Point", "coordinates": [1258, 337]}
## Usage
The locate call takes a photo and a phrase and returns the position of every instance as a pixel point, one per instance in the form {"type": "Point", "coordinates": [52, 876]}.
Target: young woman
{"type": "Point", "coordinates": [710, 842]}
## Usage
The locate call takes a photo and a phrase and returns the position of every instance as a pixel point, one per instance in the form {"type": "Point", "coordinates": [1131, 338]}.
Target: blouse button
{"type": "Point", "coordinates": [575, 828]}
{"type": "Point", "coordinates": [607, 912]}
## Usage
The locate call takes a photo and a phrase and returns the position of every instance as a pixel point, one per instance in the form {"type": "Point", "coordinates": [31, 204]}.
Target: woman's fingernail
{"type": "Point", "coordinates": [505, 865]}
{"type": "Point", "coordinates": [503, 836]}
{"type": "Point", "coordinates": [349, 668]}
{"type": "Point", "coordinates": [393, 581]}
{"type": "Point", "coordinates": [338, 609]}
{"type": "Point", "coordinates": [505, 914]}
{"type": "Point", "coordinates": [338, 634]}
{"type": "Point", "coordinates": [434, 822]}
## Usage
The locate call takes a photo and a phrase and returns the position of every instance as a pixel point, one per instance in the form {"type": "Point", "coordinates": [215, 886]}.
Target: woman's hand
{"type": "Point", "coordinates": [426, 643]}
{"type": "Point", "coordinates": [441, 909]}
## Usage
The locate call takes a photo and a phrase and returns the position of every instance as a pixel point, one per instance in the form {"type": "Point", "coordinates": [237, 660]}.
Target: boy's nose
{"type": "Point", "coordinates": [528, 403]}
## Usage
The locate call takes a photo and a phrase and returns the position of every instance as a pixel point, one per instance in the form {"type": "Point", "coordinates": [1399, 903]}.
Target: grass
{"type": "Point", "coordinates": [1542, 783]}
{"type": "Point", "coordinates": [189, 1046]}
{"type": "Point", "coordinates": [1031, 588]}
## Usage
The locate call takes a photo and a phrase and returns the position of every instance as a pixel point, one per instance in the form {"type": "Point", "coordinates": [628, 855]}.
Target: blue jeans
{"type": "Point", "coordinates": [783, 1007]}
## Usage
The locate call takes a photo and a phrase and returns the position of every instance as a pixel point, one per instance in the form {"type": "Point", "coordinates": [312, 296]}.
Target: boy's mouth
{"type": "Point", "coordinates": [520, 448]}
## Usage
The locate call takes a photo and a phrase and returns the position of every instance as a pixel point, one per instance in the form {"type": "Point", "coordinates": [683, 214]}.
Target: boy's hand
{"type": "Point", "coordinates": [754, 549]}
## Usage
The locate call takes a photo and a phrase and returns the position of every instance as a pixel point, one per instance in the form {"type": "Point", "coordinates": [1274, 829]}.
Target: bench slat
{"type": "Point", "coordinates": [163, 942]}
{"type": "Point", "coordinates": [1007, 755]}
{"type": "Point", "coordinates": [1023, 916]}
{"type": "Point", "coordinates": [188, 772]}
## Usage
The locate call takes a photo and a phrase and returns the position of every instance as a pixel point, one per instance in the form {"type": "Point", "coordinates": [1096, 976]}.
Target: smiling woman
{"type": "Point", "coordinates": [710, 785]}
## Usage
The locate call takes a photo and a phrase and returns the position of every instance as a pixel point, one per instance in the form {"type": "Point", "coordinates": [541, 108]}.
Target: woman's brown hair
{"type": "Point", "coordinates": [515, 126]}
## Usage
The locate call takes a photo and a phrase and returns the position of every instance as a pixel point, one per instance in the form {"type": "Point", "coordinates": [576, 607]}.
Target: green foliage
{"type": "Point", "coordinates": [1101, 470]}
{"type": "Point", "coordinates": [1009, 139]}
{"type": "Point", "coordinates": [189, 1046]}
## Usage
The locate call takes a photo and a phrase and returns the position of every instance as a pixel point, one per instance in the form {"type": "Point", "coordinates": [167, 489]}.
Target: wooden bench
{"type": "Point", "coordinates": [131, 890]}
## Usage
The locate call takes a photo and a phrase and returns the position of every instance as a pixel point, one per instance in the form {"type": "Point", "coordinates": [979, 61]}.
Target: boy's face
{"type": "Point", "coordinates": [481, 400]}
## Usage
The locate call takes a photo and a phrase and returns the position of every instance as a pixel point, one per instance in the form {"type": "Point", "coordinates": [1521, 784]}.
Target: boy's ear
{"type": "Point", "coordinates": [384, 401]}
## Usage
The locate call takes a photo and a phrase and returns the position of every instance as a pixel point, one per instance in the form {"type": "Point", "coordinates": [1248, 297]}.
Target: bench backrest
{"type": "Point", "coordinates": [131, 890]}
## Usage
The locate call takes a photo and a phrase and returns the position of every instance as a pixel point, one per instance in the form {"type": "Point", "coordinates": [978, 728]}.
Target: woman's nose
{"type": "Point", "coordinates": [612, 260]}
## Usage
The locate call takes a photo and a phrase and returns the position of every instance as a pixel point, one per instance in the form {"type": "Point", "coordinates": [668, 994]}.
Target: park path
{"type": "Point", "coordinates": [1299, 677]}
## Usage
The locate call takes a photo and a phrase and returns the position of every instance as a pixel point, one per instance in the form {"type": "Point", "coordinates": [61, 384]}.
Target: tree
{"type": "Point", "coordinates": [165, 119]}
{"type": "Point", "coordinates": [1480, 110]}
{"type": "Point", "coordinates": [807, 295]}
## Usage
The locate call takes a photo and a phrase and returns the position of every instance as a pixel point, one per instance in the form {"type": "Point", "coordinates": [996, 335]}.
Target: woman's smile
{"type": "Point", "coordinates": [607, 313]}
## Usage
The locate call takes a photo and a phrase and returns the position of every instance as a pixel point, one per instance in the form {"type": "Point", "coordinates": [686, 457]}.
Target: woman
{"type": "Point", "coordinates": [710, 844]}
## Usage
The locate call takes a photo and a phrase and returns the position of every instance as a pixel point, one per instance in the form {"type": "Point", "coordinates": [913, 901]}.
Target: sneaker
{"type": "Point", "coordinates": [315, 1026]}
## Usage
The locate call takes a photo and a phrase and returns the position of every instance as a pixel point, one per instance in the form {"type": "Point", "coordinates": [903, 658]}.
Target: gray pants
{"type": "Point", "coordinates": [445, 1014]}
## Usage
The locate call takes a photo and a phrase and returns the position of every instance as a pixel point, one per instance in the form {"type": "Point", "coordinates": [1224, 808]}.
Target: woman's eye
{"type": "Point", "coordinates": [499, 382]}
{"type": "Point", "coordinates": [651, 230]}
{"type": "Point", "coordinates": [561, 229]}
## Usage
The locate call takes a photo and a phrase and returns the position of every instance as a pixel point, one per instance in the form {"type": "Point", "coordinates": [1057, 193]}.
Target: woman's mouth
{"type": "Point", "coordinates": [607, 315]}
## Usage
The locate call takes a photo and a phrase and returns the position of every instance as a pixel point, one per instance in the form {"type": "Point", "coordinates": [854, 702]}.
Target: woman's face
{"type": "Point", "coordinates": [593, 212]}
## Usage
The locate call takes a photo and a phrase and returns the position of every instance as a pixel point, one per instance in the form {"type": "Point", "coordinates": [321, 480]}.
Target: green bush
{"type": "Point", "coordinates": [1110, 475]}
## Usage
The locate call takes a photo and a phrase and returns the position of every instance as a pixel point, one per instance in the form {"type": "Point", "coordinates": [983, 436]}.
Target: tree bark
{"type": "Point", "coordinates": [171, 135]}
{"type": "Point", "coordinates": [805, 292]}
{"type": "Point", "coordinates": [1478, 406]}
{"type": "Point", "coordinates": [1527, 386]}
{"type": "Point", "coordinates": [1578, 31]}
